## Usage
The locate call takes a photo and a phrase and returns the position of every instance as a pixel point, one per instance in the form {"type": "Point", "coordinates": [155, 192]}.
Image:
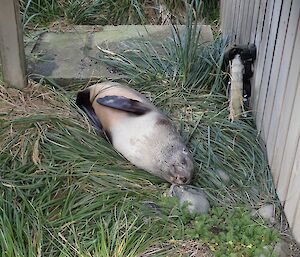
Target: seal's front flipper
{"type": "Point", "coordinates": [124, 104]}
{"type": "Point", "coordinates": [84, 103]}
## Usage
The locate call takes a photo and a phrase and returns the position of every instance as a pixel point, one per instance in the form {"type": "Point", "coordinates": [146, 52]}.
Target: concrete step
{"type": "Point", "coordinates": [71, 56]}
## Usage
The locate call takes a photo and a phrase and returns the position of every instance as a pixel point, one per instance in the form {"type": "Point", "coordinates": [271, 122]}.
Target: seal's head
{"type": "Point", "coordinates": [174, 161]}
{"type": "Point", "coordinates": [177, 164]}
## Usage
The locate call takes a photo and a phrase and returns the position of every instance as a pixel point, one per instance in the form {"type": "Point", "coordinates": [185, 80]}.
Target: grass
{"type": "Point", "coordinates": [66, 192]}
{"type": "Point", "coordinates": [188, 79]}
{"type": "Point", "coordinates": [40, 13]}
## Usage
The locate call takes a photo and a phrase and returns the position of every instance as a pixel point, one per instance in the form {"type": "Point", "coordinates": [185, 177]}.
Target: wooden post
{"type": "Point", "coordinates": [11, 44]}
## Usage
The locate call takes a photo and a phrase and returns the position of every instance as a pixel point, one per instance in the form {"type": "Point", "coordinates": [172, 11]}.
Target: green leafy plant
{"type": "Point", "coordinates": [227, 232]}
{"type": "Point", "coordinates": [234, 233]}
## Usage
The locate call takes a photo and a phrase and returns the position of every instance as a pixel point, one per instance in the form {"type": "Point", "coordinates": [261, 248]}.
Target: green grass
{"type": "Point", "coordinates": [39, 13]}
{"type": "Point", "coordinates": [66, 192]}
{"type": "Point", "coordinates": [185, 78]}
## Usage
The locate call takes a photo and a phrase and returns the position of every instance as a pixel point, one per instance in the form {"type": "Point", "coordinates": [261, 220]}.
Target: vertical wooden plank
{"type": "Point", "coordinates": [222, 14]}
{"type": "Point", "coordinates": [243, 10]}
{"type": "Point", "coordinates": [248, 24]}
{"type": "Point", "coordinates": [254, 22]}
{"type": "Point", "coordinates": [236, 20]}
{"type": "Point", "coordinates": [291, 144]}
{"type": "Point", "coordinates": [278, 56]}
{"type": "Point", "coordinates": [239, 23]}
{"type": "Point", "coordinates": [230, 17]}
{"type": "Point", "coordinates": [258, 34]}
{"type": "Point", "coordinates": [293, 195]}
{"type": "Point", "coordinates": [224, 5]}
{"type": "Point", "coordinates": [225, 19]}
{"type": "Point", "coordinates": [244, 25]}
{"type": "Point", "coordinates": [262, 45]}
{"type": "Point", "coordinates": [11, 44]}
{"type": "Point", "coordinates": [260, 22]}
{"type": "Point", "coordinates": [262, 42]}
{"type": "Point", "coordinates": [254, 25]}
{"type": "Point", "coordinates": [296, 224]}
{"type": "Point", "coordinates": [268, 62]}
{"type": "Point", "coordinates": [285, 152]}
{"type": "Point", "coordinates": [289, 123]}
{"type": "Point", "coordinates": [274, 144]}
{"type": "Point", "coordinates": [233, 18]}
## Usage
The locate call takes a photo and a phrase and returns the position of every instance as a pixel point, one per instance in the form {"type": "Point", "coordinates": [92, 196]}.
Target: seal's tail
{"type": "Point", "coordinates": [84, 103]}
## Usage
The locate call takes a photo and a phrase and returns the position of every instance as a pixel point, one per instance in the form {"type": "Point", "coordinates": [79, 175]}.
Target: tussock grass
{"type": "Point", "coordinates": [66, 192]}
{"type": "Point", "coordinates": [181, 60]}
{"type": "Point", "coordinates": [106, 12]}
{"type": "Point", "coordinates": [185, 78]}
{"type": "Point", "coordinates": [63, 188]}
{"type": "Point", "coordinates": [39, 13]}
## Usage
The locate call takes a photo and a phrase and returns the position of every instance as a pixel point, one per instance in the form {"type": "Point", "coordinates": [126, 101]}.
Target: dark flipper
{"type": "Point", "coordinates": [124, 104]}
{"type": "Point", "coordinates": [84, 103]}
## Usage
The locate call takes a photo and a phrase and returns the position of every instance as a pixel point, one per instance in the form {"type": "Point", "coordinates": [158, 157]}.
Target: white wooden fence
{"type": "Point", "coordinates": [274, 26]}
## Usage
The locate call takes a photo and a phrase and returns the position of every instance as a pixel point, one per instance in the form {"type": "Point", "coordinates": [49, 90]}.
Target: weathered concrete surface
{"type": "Point", "coordinates": [72, 56]}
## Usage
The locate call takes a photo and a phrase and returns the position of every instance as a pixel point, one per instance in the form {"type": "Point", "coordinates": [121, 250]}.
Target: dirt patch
{"type": "Point", "coordinates": [33, 99]}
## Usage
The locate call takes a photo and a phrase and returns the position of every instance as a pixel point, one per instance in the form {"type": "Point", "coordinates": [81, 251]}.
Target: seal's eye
{"type": "Point", "coordinates": [184, 151]}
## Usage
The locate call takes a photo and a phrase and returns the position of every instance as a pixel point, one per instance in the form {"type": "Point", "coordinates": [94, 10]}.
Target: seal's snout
{"type": "Point", "coordinates": [181, 180]}
{"type": "Point", "coordinates": [181, 175]}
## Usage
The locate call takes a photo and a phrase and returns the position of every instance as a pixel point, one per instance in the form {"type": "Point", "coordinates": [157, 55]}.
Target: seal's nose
{"type": "Point", "coordinates": [183, 161]}
{"type": "Point", "coordinates": [180, 180]}
{"type": "Point", "coordinates": [183, 179]}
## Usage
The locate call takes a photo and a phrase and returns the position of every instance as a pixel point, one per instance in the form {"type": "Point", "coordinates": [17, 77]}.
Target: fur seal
{"type": "Point", "coordinates": [138, 130]}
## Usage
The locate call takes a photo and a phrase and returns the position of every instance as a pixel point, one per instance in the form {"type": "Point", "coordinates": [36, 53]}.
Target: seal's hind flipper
{"type": "Point", "coordinates": [124, 104]}
{"type": "Point", "coordinates": [84, 103]}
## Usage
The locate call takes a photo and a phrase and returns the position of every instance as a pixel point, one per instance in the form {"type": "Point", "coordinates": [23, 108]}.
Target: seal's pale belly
{"type": "Point", "coordinates": [133, 138]}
